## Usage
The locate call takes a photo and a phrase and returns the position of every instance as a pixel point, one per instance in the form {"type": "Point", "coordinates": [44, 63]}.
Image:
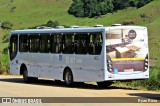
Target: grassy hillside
{"type": "Point", "coordinates": [33, 12]}
{"type": "Point", "coordinates": [28, 13]}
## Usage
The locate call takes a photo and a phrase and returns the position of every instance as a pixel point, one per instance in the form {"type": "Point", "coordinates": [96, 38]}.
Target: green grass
{"type": "Point", "coordinates": [4, 64]}
{"type": "Point", "coordinates": [153, 83]}
{"type": "Point", "coordinates": [29, 13]}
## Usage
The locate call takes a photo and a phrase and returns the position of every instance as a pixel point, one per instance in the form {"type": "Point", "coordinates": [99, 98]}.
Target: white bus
{"type": "Point", "coordinates": [96, 54]}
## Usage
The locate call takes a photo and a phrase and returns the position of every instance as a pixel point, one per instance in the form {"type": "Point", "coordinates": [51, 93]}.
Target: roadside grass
{"type": "Point", "coordinates": [4, 64]}
{"type": "Point", "coordinates": [153, 83]}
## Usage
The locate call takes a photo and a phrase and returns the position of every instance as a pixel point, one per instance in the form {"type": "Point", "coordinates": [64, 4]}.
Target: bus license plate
{"type": "Point", "coordinates": [128, 70]}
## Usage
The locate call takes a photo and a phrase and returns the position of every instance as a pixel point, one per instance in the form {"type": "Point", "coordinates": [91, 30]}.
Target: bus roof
{"type": "Point", "coordinates": [54, 30]}
{"type": "Point", "coordinates": [67, 30]}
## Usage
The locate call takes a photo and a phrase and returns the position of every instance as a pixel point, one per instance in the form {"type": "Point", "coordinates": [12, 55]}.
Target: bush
{"type": "Point", "coordinates": [143, 15]}
{"type": "Point", "coordinates": [5, 50]}
{"type": "Point", "coordinates": [5, 38]}
{"type": "Point", "coordinates": [52, 24]}
{"type": "Point", "coordinates": [153, 83]}
{"type": "Point", "coordinates": [6, 25]}
{"type": "Point", "coordinates": [4, 64]}
{"type": "Point", "coordinates": [128, 23]}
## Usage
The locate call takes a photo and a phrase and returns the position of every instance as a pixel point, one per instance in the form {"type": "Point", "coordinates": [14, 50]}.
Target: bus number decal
{"type": "Point", "coordinates": [73, 61]}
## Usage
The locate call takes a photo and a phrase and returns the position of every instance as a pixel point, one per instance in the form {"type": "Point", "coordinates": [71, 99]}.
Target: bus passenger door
{"type": "Point", "coordinates": [13, 53]}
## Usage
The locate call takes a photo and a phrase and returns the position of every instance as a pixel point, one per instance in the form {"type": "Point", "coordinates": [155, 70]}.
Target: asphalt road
{"type": "Point", "coordinates": [80, 95]}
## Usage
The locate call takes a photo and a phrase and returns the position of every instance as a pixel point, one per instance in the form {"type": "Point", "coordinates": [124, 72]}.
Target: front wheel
{"type": "Point", "coordinates": [25, 76]}
{"type": "Point", "coordinates": [68, 77]}
{"type": "Point", "coordinates": [104, 84]}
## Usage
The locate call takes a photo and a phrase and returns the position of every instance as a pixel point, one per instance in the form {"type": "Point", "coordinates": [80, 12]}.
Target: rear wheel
{"type": "Point", "coordinates": [104, 84]}
{"type": "Point", "coordinates": [68, 77]}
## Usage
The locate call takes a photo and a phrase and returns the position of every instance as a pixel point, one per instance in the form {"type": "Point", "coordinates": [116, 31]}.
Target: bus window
{"type": "Point", "coordinates": [56, 43]}
{"type": "Point", "coordinates": [34, 43]}
{"type": "Point", "coordinates": [13, 46]}
{"type": "Point", "coordinates": [44, 43]}
{"type": "Point", "coordinates": [81, 43]}
{"type": "Point", "coordinates": [95, 43]}
{"type": "Point", "coordinates": [23, 43]}
{"type": "Point", "coordinates": [68, 43]}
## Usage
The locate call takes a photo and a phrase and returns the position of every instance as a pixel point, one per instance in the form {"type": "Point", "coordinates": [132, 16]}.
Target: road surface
{"type": "Point", "coordinates": [13, 86]}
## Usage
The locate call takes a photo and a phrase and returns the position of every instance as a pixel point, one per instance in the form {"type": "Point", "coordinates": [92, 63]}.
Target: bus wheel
{"type": "Point", "coordinates": [104, 84]}
{"type": "Point", "coordinates": [68, 77]}
{"type": "Point", "coordinates": [25, 76]}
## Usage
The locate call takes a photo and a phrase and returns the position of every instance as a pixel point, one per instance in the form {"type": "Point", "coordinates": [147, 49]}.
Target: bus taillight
{"type": "Point", "coordinates": [109, 65]}
{"type": "Point", "coordinates": [146, 63]}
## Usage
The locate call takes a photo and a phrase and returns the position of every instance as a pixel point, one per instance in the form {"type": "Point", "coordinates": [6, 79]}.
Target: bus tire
{"type": "Point", "coordinates": [104, 84]}
{"type": "Point", "coordinates": [25, 76]}
{"type": "Point", "coordinates": [68, 77]}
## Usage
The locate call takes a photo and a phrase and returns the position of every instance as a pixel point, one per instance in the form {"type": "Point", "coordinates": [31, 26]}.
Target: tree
{"type": "Point", "coordinates": [106, 6]}
{"type": "Point", "coordinates": [90, 8]}
{"type": "Point", "coordinates": [133, 3]}
{"type": "Point", "coordinates": [76, 8]}
{"type": "Point", "coordinates": [120, 4]}
{"type": "Point", "coordinates": [141, 3]}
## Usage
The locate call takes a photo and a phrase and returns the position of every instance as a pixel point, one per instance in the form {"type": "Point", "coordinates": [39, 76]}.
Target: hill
{"type": "Point", "coordinates": [29, 13]}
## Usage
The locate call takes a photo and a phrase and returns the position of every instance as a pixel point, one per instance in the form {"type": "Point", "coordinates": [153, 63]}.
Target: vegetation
{"type": "Point", "coordinates": [50, 23]}
{"type": "Point", "coordinates": [41, 11]}
{"type": "Point", "coordinates": [6, 25]}
{"type": "Point", "coordinates": [5, 38]}
{"type": "Point", "coordinates": [121, 4]}
{"type": "Point", "coordinates": [153, 83]}
{"type": "Point", "coordinates": [4, 64]}
{"type": "Point", "coordinates": [92, 8]}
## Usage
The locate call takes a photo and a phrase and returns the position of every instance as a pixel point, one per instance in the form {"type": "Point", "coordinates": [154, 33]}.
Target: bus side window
{"type": "Point", "coordinates": [44, 43]}
{"type": "Point", "coordinates": [81, 43]}
{"type": "Point", "coordinates": [68, 43]}
{"type": "Point", "coordinates": [56, 43]}
{"type": "Point", "coordinates": [13, 46]}
{"type": "Point", "coordinates": [34, 43]}
{"type": "Point", "coordinates": [95, 43]}
{"type": "Point", "coordinates": [23, 43]}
